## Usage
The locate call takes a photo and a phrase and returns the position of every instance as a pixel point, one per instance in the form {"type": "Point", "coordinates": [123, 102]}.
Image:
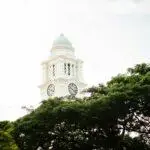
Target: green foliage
{"type": "Point", "coordinates": [6, 140]}
{"type": "Point", "coordinates": [102, 121]}
{"type": "Point", "coordinates": [141, 69]}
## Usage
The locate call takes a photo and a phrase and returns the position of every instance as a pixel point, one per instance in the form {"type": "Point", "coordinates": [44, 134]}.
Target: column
{"type": "Point", "coordinates": [45, 73]}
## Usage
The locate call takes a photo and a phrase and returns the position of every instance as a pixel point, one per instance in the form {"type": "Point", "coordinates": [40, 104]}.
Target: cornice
{"type": "Point", "coordinates": [59, 57]}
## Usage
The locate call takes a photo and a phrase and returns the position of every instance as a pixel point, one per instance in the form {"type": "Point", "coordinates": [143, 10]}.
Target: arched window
{"type": "Point", "coordinates": [53, 70]}
{"type": "Point", "coordinates": [65, 68]}
{"type": "Point", "coordinates": [73, 70]}
{"type": "Point", "coordinates": [69, 69]}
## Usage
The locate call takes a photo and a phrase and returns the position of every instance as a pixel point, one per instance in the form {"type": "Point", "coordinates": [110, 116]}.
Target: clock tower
{"type": "Point", "coordinates": [62, 72]}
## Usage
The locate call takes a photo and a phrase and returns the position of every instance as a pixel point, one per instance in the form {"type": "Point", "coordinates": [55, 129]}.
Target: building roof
{"type": "Point", "coordinates": [61, 41]}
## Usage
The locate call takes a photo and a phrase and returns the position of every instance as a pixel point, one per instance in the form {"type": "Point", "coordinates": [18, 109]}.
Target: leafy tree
{"type": "Point", "coordinates": [104, 120]}
{"type": "Point", "coordinates": [6, 140]}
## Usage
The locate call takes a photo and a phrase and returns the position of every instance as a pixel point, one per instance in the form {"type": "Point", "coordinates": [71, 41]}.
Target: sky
{"type": "Point", "coordinates": [108, 35]}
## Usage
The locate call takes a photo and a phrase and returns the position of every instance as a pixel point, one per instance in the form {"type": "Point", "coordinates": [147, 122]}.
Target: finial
{"type": "Point", "coordinates": [61, 34]}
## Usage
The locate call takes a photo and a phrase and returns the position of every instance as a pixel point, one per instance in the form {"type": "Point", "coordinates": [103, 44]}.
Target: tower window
{"type": "Point", "coordinates": [65, 68]}
{"type": "Point", "coordinates": [73, 70]}
{"type": "Point", "coordinates": [69, 69]}
{"type": "Point", "coordinates": [53, 70]}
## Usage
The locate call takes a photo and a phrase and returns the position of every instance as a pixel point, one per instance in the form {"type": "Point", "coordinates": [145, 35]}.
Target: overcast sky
{"type": "Point", "coordinates": [108, 35]}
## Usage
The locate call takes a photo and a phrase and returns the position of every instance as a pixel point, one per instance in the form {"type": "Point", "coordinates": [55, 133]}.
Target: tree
{"type": "Point", "coordinates": [104, 120]}
{"type": "Point", "coordinates": [6, 140]}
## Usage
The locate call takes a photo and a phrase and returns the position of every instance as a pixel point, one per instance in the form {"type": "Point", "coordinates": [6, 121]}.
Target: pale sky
{"type": "Point", "coordinates": [108, 35]}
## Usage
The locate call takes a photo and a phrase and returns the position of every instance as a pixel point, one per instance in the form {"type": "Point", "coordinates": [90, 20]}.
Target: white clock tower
{"type": "Point", "coordinates": [62, 72]}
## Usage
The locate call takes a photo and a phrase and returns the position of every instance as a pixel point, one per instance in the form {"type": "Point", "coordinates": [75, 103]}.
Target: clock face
{"type": "Point", "coordinates": [73, 89]}
{"type": "Point", "coordinates": [50, 90]}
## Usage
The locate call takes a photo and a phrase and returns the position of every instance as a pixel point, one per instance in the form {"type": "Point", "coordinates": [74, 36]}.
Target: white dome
{"type": "Point", "coordinates": [62, 41]}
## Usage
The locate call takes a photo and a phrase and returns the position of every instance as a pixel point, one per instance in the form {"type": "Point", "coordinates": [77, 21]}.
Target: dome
{"type": "Point", "coordinates": [62, 41]}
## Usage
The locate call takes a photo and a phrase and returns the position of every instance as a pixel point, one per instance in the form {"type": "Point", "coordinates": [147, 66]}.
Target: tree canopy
{"type": "Point", "coordinates": [105, 120]}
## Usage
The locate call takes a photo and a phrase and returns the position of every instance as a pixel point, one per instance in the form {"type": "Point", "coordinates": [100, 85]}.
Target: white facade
{"type": "Point", "coordinates": [62, 72]}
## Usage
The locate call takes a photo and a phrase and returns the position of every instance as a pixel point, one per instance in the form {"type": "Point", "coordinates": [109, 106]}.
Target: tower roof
{"type": "Point", "coordinates": [62, 41]}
